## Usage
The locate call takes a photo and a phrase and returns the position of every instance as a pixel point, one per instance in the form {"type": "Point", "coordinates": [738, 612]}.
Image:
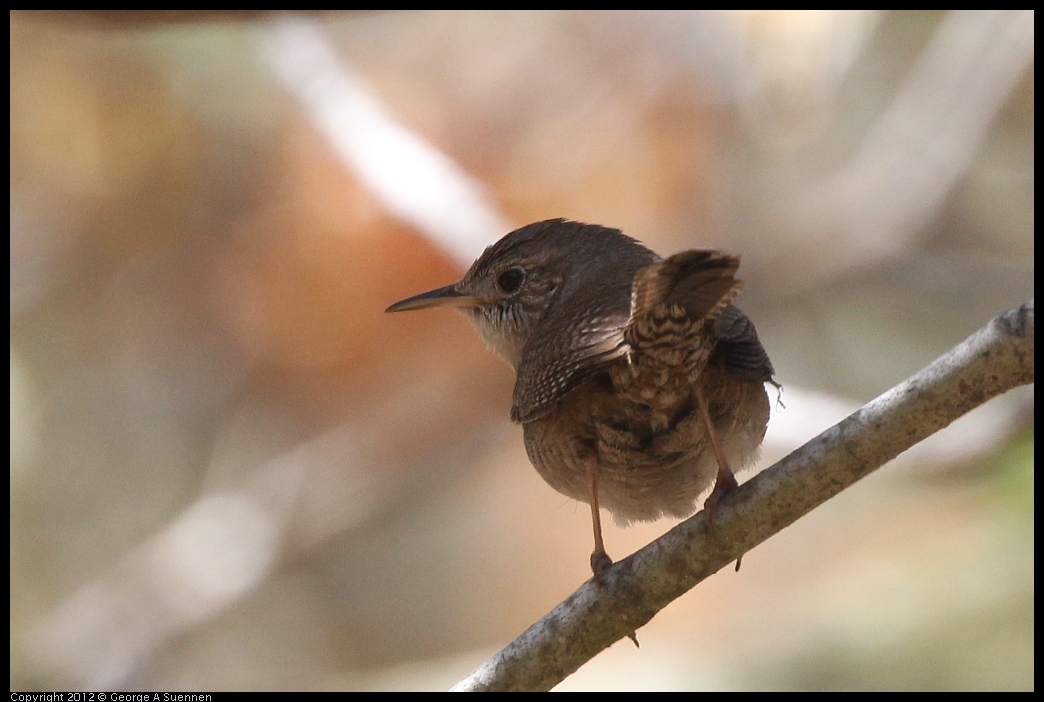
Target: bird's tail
{"type": "Point", "coordinates": [674, 297]}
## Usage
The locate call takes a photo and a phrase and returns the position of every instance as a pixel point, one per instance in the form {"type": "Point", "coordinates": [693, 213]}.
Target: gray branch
{"type": "Point", "coordinates": [991, 361]}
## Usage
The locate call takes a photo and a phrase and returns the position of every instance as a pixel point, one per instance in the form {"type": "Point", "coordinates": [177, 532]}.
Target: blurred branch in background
{"type": "Point", "coordinates": [417, 183]}
{"type": "Point", "coordinates": [875, 205]}
{"type": "Point", "coordinates": [230, 470]}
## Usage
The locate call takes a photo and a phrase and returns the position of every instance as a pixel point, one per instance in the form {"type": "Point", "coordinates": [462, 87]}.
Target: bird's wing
{"type": "Point", "coordinates": [563, 353]}
{"type": "Point", "coordinates": [740, 348]}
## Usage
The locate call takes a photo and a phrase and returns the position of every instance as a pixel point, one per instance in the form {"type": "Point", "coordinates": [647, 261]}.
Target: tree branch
{"type": "Point", "coordinates": [991, 361]}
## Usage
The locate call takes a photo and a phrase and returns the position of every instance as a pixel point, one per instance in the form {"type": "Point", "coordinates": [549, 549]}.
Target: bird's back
{"type": "Point", "coordinates": [637, 416]}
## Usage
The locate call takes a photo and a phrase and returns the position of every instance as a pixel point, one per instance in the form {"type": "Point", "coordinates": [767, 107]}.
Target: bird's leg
{"type": "Point", "coordinates": [726, 481]}
{"type": "Point", "coordinates": [600, 560]}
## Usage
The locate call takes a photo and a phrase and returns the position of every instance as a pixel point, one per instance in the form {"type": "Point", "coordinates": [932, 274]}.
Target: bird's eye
{"type": "Point", "coordinates": [511, 280]}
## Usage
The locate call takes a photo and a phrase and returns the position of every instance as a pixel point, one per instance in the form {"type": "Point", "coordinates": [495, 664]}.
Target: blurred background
{"type": "Point", "coordinates": [231, 470]}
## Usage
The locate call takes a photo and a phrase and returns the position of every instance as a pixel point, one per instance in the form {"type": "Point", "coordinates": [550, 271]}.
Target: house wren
{"type": "Point", "coordinates": [638, 383]}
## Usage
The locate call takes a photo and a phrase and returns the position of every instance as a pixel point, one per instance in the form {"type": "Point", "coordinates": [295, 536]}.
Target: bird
{"type": "Point", "coordinates": [639, 384]}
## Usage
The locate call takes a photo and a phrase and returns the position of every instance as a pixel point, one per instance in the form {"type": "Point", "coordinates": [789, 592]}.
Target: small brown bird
{"type": "Point", "coordinates": [638, 383]}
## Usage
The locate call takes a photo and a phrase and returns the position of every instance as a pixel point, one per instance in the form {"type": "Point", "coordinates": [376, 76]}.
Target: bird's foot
{"type": "Point", "coordinates": [600, 562]}
{"type": "Point", "coordinates": [725, 483]}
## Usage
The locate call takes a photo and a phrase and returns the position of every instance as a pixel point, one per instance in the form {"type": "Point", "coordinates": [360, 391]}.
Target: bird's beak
{"type": "Point", "coordinates": [448, 296]}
